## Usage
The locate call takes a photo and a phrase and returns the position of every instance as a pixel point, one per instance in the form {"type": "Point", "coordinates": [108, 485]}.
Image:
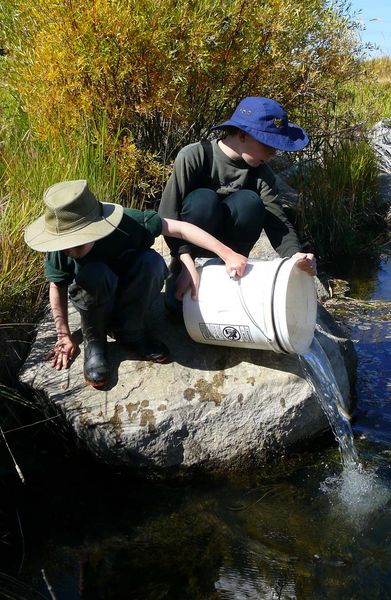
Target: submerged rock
{"type": "Point", "coordinates": [211, 407]}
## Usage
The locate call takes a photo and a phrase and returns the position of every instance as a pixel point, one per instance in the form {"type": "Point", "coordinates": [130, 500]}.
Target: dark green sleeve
{"type": "Point", "coordinates": [277, 226]}
{"type": "Point", "coordinates": [186, 176]}
{"type": "Point", "coordinates": [142, 227]}
{"type": "Point", "coordinates": [152, 223]}
{"type": "Point", "coordinates": [59, 268]}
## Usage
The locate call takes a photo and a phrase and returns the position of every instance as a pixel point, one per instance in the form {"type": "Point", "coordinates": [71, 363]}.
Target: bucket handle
{"type": "Point", "coordinates": [279, 343]}
{"type": "Point", "coordinates": [246, 310]}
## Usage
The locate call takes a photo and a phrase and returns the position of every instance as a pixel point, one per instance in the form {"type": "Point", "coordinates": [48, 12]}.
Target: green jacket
{"type": "Point", "coordinates": [135, 233]}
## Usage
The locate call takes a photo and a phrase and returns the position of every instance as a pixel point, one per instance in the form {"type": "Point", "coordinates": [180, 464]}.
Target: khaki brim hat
{"type": "Point", "coordinates": [73, 217]}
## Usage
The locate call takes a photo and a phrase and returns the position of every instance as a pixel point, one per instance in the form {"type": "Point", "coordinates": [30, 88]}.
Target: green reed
{"type": "Point", "coordinates": [341, 212]}
{"type": "Point", "coordinates": [28, 168]}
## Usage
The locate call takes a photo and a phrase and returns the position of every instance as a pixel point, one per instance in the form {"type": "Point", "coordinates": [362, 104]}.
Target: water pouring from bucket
{"type": "Point", "coordinates": [319, 375]}
{"type": "Point", "coordinates": [273, 307]}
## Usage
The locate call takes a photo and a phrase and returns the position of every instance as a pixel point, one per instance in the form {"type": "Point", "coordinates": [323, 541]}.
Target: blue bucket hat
{"type": "Point", "coordinates": [266, 121]}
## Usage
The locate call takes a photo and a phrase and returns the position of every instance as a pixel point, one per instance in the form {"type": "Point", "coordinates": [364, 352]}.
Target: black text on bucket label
{"type": "Point", "coordinates": [226, 333]}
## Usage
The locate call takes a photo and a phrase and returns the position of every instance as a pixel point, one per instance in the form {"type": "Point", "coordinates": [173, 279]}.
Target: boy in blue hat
{"type": "Point", "coordinates": [225, 187]}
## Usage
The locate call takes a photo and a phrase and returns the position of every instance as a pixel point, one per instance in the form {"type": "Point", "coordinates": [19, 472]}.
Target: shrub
{"type": "Point", "coordinates": [166, 69]}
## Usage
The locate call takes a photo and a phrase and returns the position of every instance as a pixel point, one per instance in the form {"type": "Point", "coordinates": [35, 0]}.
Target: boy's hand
{"type": "Point", "coordinates": [188, 277]}
{"type": "Point", "coordinates": [63, 352]}
{"type": "Point", "coordinates": [235, 264]}
{"type": "Point", "coordinates": [306, 262]}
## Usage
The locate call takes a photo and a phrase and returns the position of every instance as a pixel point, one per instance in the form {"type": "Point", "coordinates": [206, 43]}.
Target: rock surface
{"type": "Point", "coordinates": [211, 407]}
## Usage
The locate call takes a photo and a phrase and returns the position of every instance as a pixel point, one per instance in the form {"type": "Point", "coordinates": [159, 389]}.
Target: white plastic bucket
{"type": "Point", "coordinates": [273, 307]}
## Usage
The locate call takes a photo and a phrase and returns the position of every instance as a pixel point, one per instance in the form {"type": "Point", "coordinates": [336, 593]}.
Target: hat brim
{"type": "Point", "coordinates": [292, 139]}
{"type": "Point", "coordinates": [38, 238]}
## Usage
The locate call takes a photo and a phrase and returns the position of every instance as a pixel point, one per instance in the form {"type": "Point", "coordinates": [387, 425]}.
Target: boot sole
{"type": "Point", "coordinates": [95, 385]}
{"type": "Point", "coordinates": [160, 360]}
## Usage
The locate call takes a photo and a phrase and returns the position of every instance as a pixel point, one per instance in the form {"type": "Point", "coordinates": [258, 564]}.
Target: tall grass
{"type": "Point", "coordinates": [28, 168]}
{"type": "Point", "coordinates": [341, 211]}
{"type": "Point", "coordinates": [369, 100]}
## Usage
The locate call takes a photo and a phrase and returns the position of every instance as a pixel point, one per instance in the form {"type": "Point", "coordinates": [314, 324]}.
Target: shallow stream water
{"type": "Point", "coordinates": [308, 528]}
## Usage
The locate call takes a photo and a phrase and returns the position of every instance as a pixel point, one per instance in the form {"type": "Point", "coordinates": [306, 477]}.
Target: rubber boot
{"type": "Point", "coordinates": [96, 367]}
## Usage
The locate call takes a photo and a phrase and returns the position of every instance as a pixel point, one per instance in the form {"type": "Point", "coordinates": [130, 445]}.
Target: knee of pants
{"type": "Point", "coordinates": [95, 284]}
{"type": "Point", "coordinates": [246, 209]}
{"type": "Point", "coordinates": [150, 268]}
{"type": "Point", "coordinates": [139, 287]}
{"type": "Point", "coordinates": [202, 207]}
{"type": "Point", "coordinates": [147, 273]}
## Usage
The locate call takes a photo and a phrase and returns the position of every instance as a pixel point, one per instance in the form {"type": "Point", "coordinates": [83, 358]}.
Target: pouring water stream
{"type": "Point", "coordinates": [320, 377]}
{"type": "Point", "coordinates": [360, 490]}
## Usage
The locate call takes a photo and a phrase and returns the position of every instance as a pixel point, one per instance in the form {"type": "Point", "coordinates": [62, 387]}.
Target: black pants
{"type": "Point", "coordinates": [236, 220]}
{"type": "Point", "coordinates": [122, 302]}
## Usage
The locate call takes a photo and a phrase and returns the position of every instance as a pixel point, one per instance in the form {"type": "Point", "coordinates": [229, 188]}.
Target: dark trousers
{"type": "Point", "coordinates": [122, 302]}
{"type": "Point", "coordinates": [236, 220]}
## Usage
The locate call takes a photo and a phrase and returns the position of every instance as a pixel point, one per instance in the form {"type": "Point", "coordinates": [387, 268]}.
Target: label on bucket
{"type": "Point", "coordinates": [233, 333]}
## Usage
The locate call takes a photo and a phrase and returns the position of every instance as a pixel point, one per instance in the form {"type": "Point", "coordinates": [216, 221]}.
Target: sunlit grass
{"type": "Point", "coordinates": [28, 168]}
{"type": "Point", "coordinates": [370, 99]}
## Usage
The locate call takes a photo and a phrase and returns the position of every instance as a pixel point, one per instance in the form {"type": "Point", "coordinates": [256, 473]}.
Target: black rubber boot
{"type": "Point", "coordinates": [96, 367]}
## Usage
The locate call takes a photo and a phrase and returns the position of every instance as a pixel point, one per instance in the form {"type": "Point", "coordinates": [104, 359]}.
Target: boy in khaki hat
{"type": "Point", "coordinates": [226, 187]}
{"type": "Point", "coordinates": [99, 254]}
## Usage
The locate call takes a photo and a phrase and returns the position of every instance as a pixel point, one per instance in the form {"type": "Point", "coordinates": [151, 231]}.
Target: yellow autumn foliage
{"type": "Point", "coordinates": [167, 69]}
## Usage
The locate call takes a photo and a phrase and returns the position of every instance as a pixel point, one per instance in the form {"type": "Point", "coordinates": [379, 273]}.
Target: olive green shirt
{"type": "Point", "coordinates": [225, 176]}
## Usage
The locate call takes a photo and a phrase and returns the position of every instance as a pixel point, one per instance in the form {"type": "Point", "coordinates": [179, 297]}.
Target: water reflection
{"type": "Point", "coordinates": [368, 277]}
{"type": "Point", "coordinates": [301, 529]}
{"type": "Point", "coordinates": [234, 585]}
{"type": "Point", "coordinates": [368, 323]}
{"type": "Point", "coordinates": [306, 544]}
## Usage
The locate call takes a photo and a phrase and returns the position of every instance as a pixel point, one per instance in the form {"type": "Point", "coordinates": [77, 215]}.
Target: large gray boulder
{"type": "Point", "coordinates": [211, 407]}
